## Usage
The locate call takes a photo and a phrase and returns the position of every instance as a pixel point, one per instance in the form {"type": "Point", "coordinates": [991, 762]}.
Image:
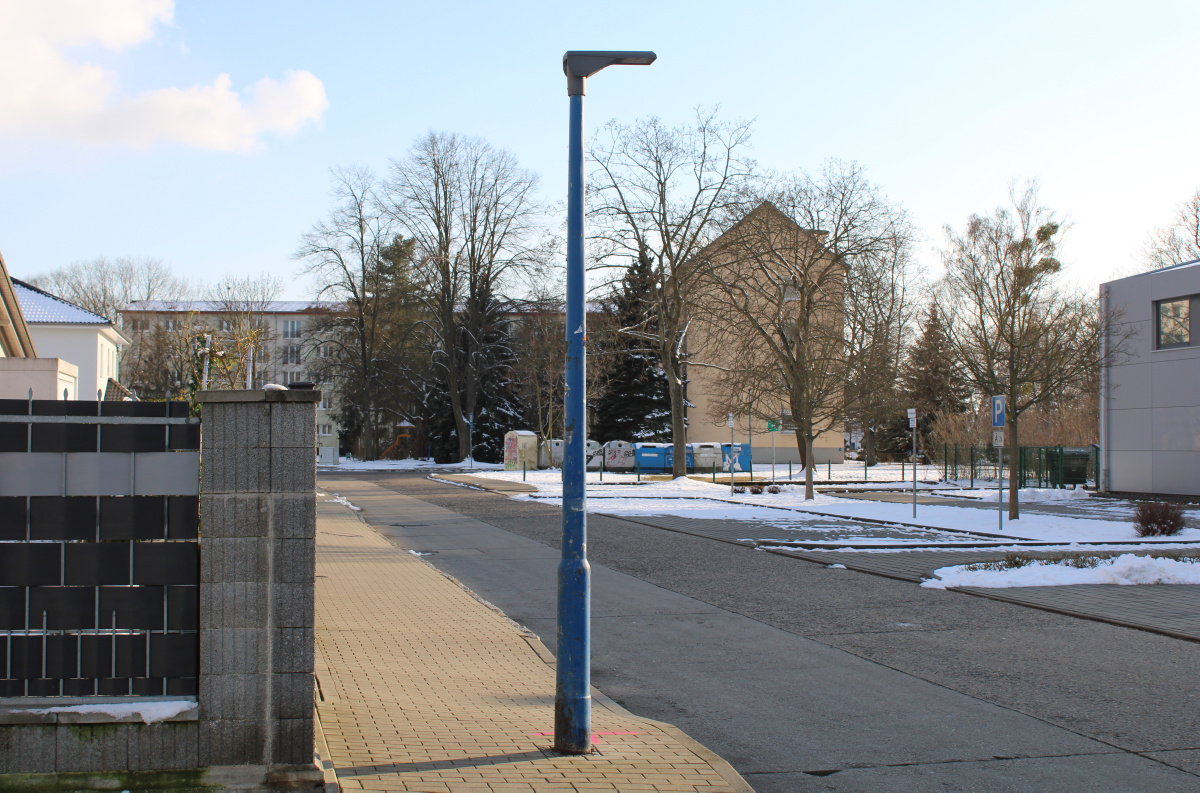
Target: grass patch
{"type": "Point", "coordinates": [1083, 561]}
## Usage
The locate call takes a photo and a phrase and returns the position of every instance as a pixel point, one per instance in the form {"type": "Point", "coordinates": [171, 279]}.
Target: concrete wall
{"type": "Point", "coordinates": [48, 377]}
{"type": "Point", "coordinates": [1152, 398]}
{"type": "Point", "coordinates": [256, 579]}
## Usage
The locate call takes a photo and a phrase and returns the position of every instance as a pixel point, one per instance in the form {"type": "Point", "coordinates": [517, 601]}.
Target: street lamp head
{"type": "Point", "coordinates": [581, 64]}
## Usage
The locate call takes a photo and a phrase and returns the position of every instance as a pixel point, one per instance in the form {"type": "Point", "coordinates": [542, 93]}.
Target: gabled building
{"type": "Point", "coordinates": [764, 263]}
{"type": "Point", "coordinates": [61, 329]}
{"type": "Point", "coordinates": [22, 372]}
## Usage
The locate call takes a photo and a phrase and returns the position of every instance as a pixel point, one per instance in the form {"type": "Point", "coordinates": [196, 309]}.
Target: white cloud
{"type": "Point", "coordinates": [46, 93]}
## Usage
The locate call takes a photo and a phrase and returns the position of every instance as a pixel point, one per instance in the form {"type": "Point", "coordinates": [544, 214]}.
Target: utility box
{"type": "Point", "coordinates": [520, 450]}
{"type": "Point", "coordinates": [619, 456]}
{"type": "Point", "coordinates": [327, 455]}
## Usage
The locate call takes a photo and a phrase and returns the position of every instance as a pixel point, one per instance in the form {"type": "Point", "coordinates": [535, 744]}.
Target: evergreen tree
{"type": "Point", "coordinates": [930, 378]}
{"type": "Point", "coordinates": [636, 406]}
{"type": "Point", "coordinates": [495, 404]}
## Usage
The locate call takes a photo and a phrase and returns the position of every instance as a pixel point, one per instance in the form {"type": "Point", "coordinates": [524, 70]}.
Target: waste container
{"type": "Point", "coordinates": [619, 456]}
{"type": "Point", "coordinates": [651, 458]}
{"type": "Point", "coordinates": [1068, 465]}
{"type": "Point", "coordinates": [705, 457]}
{"type": "Point", "coordinates": [740, 457]}
{"type": "Point", "coordinates": [593, 454]}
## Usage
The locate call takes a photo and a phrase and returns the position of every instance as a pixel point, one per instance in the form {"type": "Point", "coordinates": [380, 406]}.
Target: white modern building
{"type": "Point", "coordinates": [1150, 383]}
{"type": "Point", "coordinates": [22, 373]}
{"type": "Point", "coordinates": [61, 329]}
{"type": "Point", "coordinates": [290, 338]}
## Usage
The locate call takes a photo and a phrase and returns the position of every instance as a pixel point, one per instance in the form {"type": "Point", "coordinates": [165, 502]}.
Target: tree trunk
{"type": "Point", "coordinates": [678, 426]}
{"type": "Point", "coordinates": [808, 468]}
{"type": "Point", "coordinates": [868, 445]}
{"type": "Point", "coordinates": [1014, 478]}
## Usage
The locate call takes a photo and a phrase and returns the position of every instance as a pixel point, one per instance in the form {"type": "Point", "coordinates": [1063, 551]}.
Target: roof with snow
{"type": "Point", "coordinates": [42, 308]}
{"type": "Point", "coordinates": [222, 307]}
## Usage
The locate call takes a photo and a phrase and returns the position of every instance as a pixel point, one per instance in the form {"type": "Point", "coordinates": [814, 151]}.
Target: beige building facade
{"type": "Point", "coordinates": [748, 287]}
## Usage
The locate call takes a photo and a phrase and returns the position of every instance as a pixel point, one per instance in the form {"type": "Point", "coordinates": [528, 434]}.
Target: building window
{"type": "Point", "coordinates": [139, 324]}
{"type": "Point", "coordinates": [324, 429]}
{"type": "Point", "coordinates": [292, 377]}
{"type": "Point", "coordinates": [1174, 323]}
{"type": "Point", "coordinates": [291, 354]}
{"type": "Point", "coordinates": [172, 324]}
{"type": "Point", "coordinates": [291, 329]}
{"type": "Point", "coordinates": [225, 326]}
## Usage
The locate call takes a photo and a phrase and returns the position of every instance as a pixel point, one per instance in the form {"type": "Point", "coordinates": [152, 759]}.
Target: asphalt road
{"type": "Point", "coordinates": [791, 670]}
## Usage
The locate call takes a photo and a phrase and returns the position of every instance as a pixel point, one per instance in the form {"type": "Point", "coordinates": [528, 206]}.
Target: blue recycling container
{"type": "Point", "coordinates": [652, 458]}
{"type": "Point", "coordinates": [742, 460]}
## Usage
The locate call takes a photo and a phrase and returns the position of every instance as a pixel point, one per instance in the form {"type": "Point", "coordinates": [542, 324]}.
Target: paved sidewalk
{"type": "Point", "coordinates": [424, 687]}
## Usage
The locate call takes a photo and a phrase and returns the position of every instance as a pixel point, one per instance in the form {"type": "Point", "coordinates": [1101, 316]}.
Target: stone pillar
{"type": "Point", "coordinates": [257, 563]}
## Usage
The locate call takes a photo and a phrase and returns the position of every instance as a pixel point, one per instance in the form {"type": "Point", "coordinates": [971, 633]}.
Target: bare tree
{"type": "Point", "coordinates": [347, 254]}
{"type": "Point", "coordinates": [879, 314]}
{"type": "Point", "coordinates": [1178, 242]}
{"type": "Point", "coordinates": [1012, 325]}
{"type": "Point", "coordinates": [660, 193]}
{"type": "Point", "coordinates": [471, 210]}
{"type": "Point", "coordinates": [238, 348]}
{"type": "Point", "coordinates": [780, 284]}
{"type": "Point", "coordinates": [105, 286]}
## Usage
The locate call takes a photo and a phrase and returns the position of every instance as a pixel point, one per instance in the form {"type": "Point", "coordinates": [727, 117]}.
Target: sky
{"type": "Point", "coordinates": [203, 133]}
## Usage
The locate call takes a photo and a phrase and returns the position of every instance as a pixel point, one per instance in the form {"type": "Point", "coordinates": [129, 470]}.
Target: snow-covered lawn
{"type": "Point", "coordinates": [1127, 568]}
{"type": "Point", "coordinates": [406, 465]}
{"type": "Point", "coordinates": [1025, 495]}
{"type": "Point", "coordinates": [622, 494]}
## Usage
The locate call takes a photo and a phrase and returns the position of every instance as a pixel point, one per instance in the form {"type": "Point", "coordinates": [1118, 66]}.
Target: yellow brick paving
{"type": "Point", "coordinates": [425, 688]}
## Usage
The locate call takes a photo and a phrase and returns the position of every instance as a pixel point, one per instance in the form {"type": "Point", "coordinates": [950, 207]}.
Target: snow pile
{"type": "Point", "coordinates": [1125, 569]}
{"type": "Point", "coordinates": [345, 502]}
{"type": "Point", "coordinates": [1029, 495]}
{"type": "Point", "coordinates": [150, 712]}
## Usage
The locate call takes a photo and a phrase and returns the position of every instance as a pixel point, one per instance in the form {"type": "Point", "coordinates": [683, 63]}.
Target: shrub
{"type": "Point", "coordinates": [739, 489]}
{"type": "Point", "coordinates": [756, 490]}
{"type": "Point", "coordinates": [774, 489]}
{"type": "Point", "coordinates": [1158, 519]}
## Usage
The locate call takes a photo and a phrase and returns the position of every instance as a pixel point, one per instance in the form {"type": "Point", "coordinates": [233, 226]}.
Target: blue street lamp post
{"type": "Point", "coordinates": [572, 696]}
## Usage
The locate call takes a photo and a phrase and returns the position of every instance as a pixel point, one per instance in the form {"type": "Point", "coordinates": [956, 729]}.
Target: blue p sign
{"type": "Point", "coordinates": [998, 411]}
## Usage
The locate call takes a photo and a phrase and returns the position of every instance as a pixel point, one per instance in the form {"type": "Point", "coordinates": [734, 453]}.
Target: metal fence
{"type": "Point", "coordinates": [99, 548]}
{"type": "Point", "coordinates": [1036, 466]}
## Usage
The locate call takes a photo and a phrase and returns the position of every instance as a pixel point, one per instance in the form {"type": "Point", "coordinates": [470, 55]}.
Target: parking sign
{"type": "Point", "coordinates": [998, 411]}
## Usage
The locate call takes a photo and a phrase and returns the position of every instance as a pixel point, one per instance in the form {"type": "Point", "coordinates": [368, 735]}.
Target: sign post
{"type": "Point", "coordinates": [772, 427]}
{"type": "Point", "coordinates": [732, 454]}
{"type": "Point", "coordinates": [912, 422]}
{"type": "Point", "coordinates": [998, 416]}
{"type": "Point", "coordinates": [471, 440]}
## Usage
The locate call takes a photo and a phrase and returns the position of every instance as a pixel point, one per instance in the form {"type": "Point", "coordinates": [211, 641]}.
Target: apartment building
{"type": "Point", "coordinates": [288, 346]}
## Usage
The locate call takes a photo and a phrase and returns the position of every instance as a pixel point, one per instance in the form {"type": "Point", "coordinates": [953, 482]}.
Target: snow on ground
{"type": "Point", "coordinates": [148, 712]}
{"type": "Point", "coordinates": [406, 465]}
{"type": "Point", "coordinates": [1124, 569]}
{"type": "Point", "coordinates": [622, 494]}
{"type": "Point", "coordinates": [1030, 495]}
{"type": "Point", "coordinates": [343, 501]}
